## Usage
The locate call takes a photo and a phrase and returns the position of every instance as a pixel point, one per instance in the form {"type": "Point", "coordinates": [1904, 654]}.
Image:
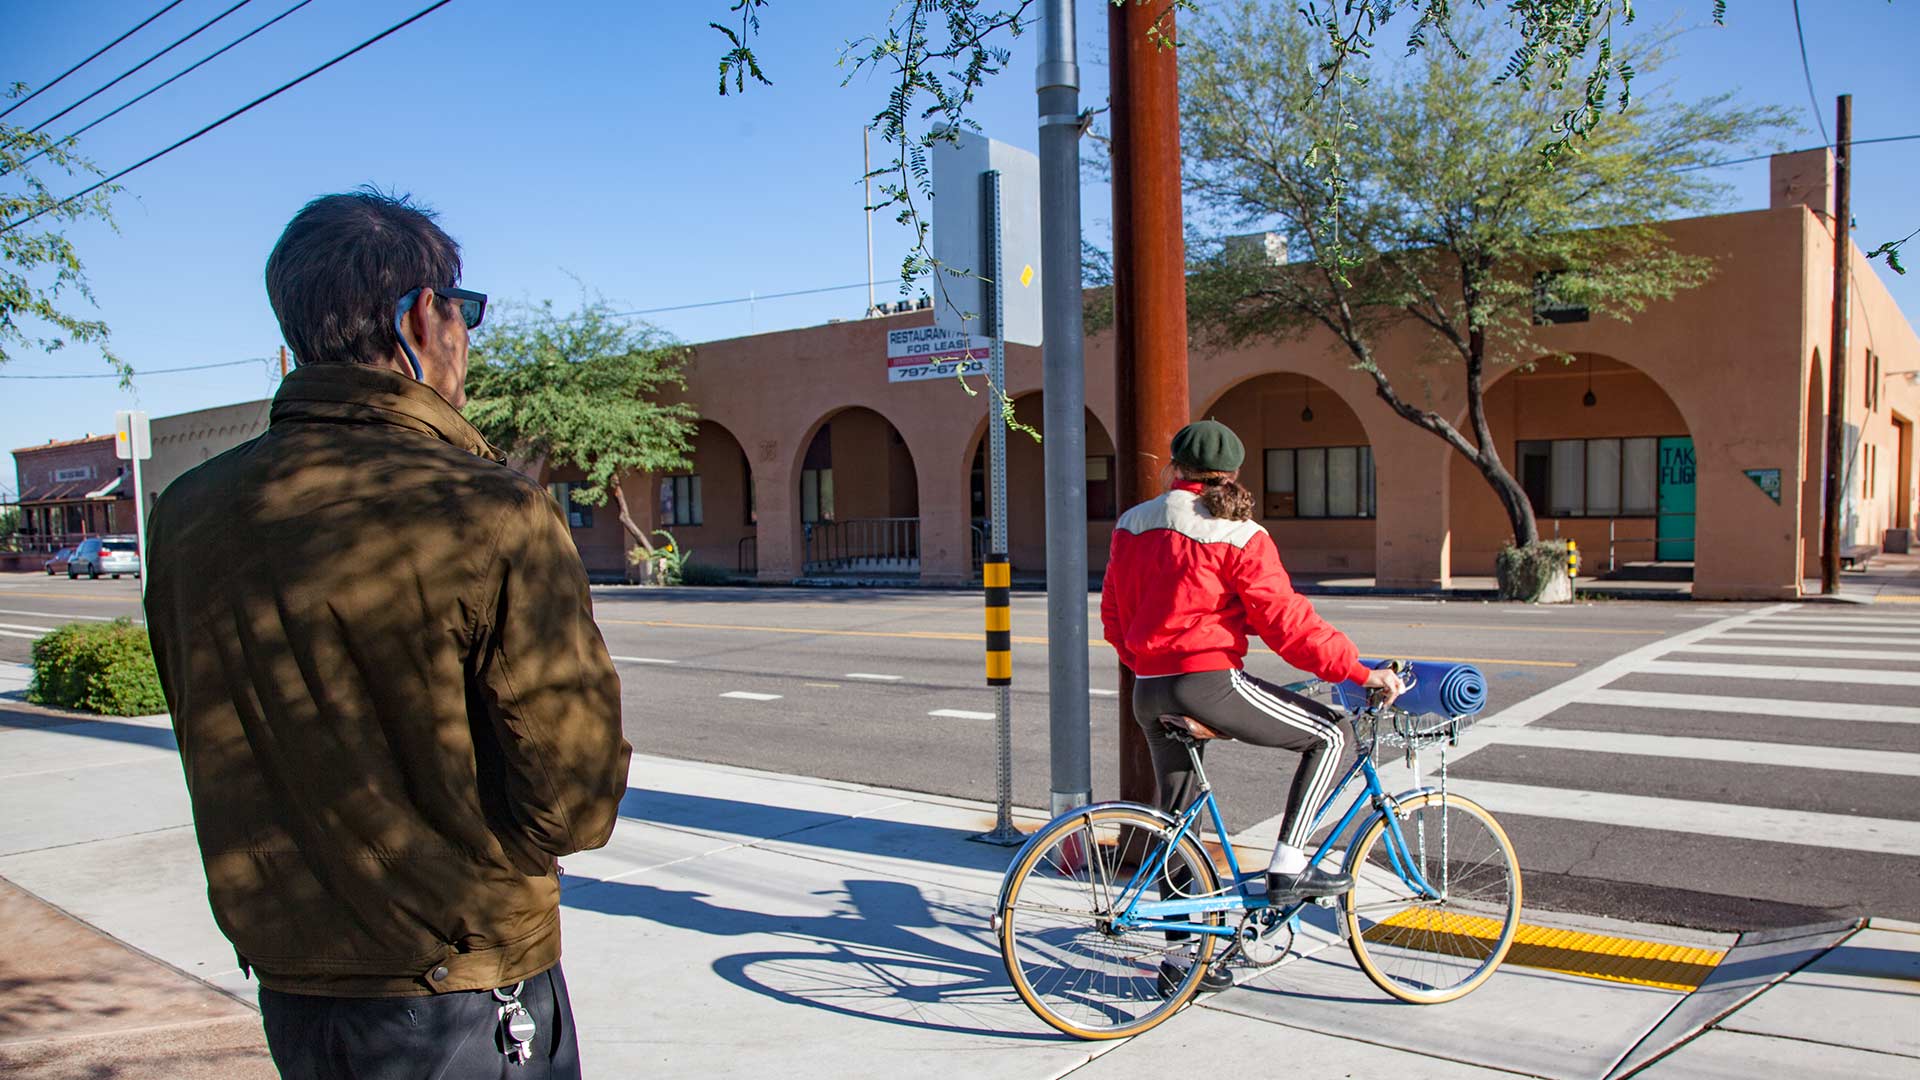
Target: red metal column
{"type": "Point", "coordinates": [1150, 287]}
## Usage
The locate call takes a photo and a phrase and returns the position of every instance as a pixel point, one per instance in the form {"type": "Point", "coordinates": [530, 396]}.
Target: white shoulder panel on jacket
{"type": "Point", "coordinates": [1181, 512]}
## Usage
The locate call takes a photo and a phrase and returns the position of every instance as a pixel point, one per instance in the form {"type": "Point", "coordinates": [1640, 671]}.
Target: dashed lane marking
{"type": "Point", "coordinates": [1104, 693]}
{"type": "Point", "coordinates": [870, 677]}
{"type": "Point", "coordinates": [1822, 710]}
{"type": "Point", "coordinates": [961, 714]}
{"type": "Point", "coordinates": [29, 637]}
{"type": "Point", "coordinates": [641, 660]}
{"type": "Point", "coordinates": [1856, 676]}
{"type": "Point", "coordinates": [822, 685]}
{"type": "Point", "coordinates": [745, 695]}
{"type": "Point", "coordinates": [20, 626]}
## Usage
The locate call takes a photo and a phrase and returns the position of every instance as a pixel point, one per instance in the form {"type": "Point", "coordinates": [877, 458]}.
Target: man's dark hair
{"type": "Point", "coordinates": [341, 267]}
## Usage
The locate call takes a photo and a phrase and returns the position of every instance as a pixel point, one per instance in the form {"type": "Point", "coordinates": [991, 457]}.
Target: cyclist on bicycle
{"type": "Point", "coordinates": [1189, 574]}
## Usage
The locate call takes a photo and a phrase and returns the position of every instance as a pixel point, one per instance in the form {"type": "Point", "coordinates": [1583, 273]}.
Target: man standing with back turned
{"type": "Point", "coordinates": [394, 709]}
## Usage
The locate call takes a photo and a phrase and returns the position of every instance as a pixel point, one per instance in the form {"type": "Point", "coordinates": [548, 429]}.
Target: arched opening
{"type": "Point", "coordinates": [1310, 467]}
{"type": "Point", "coordinates": [708, 507]}
{"type": "Point", "coordinates": [1027, 490]}
{"type": "Point", "coordinates": [1606, 460]}
{"type": "Point", "coordinates": [859, 498]}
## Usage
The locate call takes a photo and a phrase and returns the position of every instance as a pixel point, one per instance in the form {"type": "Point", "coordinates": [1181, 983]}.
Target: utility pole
{"type": "Point", "coordinates": [1150, 289]}
{"type": "Point", "coordinates": [283, 361]}
{"type": "Point", "coordinates": [1837, 353]}
{"type": "Point", "coordinates": [1064, 379]}
{"type": "Point", "coordinates": [866, 182]}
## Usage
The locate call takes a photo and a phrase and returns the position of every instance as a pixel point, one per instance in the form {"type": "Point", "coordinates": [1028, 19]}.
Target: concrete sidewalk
{"type": "Point", "coordinates": [742, 923]}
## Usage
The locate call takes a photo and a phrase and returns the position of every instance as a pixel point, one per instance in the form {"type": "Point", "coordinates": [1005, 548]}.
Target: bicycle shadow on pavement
{"type": "Point", "coordinates": [878, 955]}
{"type": "Point", "coordinates": [884, 952]}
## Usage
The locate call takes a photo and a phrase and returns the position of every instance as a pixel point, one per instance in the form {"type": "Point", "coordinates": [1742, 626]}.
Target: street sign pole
{"type": "Point", "coordinates": [996, 570]}
{"type": "Point", "coordinates": [133, 440]}
{"type": "Point", "coordinates": [1064, 377]}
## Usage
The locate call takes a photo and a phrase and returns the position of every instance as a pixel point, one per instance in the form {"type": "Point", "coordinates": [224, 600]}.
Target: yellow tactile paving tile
{"type": "Point", "coordinates": [1570, 952]}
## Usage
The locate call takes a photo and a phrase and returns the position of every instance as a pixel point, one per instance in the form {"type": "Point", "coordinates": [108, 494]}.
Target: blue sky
{"type": "Point", "coordinates": [585, 143]}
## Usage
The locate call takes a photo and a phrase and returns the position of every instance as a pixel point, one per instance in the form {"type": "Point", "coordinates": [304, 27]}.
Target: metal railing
{"type": "Point", "coordinates": [979, 533]}
{"type": "Point", "coordinates": [863, 545]}
{"type": "Point", "coordinates": [747, 555]}
{"type": "Point", "coordinates": [1616, 541]}
{"type": "Point", "coordinates": [46, 543]}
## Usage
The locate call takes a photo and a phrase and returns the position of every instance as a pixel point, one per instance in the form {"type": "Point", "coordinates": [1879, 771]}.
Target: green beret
{"type": "Point", "coordinates": [1208, 446]}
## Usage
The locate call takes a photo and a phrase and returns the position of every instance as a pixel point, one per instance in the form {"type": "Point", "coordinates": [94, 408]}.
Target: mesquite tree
{"type": "Point", "coordinates": [583, 391]}
{"type": "Point", "coordinates": [1441, 212]}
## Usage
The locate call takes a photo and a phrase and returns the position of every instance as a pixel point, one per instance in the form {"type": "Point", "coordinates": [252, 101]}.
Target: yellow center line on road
{"type": "Point", "coordinates": [70, 596]}
{"type": "Point", "coordinates": [938, 635]}
{"type": "Point", "coordinates": [1506, 628]}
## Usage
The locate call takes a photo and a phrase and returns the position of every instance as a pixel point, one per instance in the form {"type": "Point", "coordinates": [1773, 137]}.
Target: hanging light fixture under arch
{"type": "Point", "coordinates": [1306, 402]}
{"type": "Point", "coordinates": [1588, 399]}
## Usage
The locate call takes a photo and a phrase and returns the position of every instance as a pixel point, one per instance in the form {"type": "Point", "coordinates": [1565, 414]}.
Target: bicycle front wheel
{"type": "Point", "coordinates": [1434, 945]}
{"type": "Point", "coordinates": [1068, 959]}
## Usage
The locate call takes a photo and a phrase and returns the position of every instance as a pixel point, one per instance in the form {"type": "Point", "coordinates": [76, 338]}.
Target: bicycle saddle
{"type": "Point", "coordinates": [1191, 728]}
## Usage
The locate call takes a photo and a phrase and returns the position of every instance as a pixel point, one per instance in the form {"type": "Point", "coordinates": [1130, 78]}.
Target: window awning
{"type": "Point", "coordinates": [110, 490]}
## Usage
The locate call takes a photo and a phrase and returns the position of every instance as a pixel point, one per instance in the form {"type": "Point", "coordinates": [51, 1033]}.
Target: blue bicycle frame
{"type": "Point", "coordinates": [1142, 914]}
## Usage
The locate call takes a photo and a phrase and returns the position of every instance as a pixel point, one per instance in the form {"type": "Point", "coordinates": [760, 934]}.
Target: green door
{"type": "Point", "coordinates": [1675, 527]}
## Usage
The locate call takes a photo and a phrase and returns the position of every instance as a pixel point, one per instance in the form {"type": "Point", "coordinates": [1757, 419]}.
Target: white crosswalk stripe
{"type": "Point", "coordinates": [1737, 751]}
{"type": "Point", "coordinates": [1737, 648]}
{"type": "Point", "coordinates": [1751, 706]}
{"type": "Point", "coordinates": [1848, 639]}
{"type": "Point", "coordinates": [1855, 676]}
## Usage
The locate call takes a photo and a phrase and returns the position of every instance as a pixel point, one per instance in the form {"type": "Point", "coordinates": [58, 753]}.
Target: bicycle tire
{"type": "Point", "coordinates": [1430, 951]}
{"type": "Point", "coordinates": [1060, 980]}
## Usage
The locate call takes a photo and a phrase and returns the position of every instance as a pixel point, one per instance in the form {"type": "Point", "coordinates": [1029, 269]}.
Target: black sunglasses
{"type": "Point", "coordinates": [473, 305]}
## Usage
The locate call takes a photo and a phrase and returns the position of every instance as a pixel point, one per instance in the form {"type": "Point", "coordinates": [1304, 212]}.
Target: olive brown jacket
{"type": "Point", "coordinates": [394, 709]}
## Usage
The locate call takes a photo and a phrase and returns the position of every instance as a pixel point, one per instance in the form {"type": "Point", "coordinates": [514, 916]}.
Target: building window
{"type": "Point", "coordinates": [816, 495]}
{"type": "Point", "coordinates": [1590, 477]}
{"type": "Point", "coordinates": [579, 514]}
{"type": "Point", "coordinates": [680, 501]}
{"type": "Point", "coordinates": [1320, 482]}
{"type": "Point", "coordinates": [1101, 492]}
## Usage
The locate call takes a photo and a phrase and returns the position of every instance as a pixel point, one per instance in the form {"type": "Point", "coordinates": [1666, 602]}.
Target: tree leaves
{"type": "Point", "coordinates": [38, 264]}
{"type": "Point", "coordinates": [585, 390]}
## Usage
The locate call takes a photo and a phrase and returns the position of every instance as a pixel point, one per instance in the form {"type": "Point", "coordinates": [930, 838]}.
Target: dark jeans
{"type": "Point", "coordinates": [442, 1037]}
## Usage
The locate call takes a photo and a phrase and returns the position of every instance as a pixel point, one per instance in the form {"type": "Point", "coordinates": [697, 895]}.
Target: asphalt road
{"type": "Point", "coordinates": [1672, 769]}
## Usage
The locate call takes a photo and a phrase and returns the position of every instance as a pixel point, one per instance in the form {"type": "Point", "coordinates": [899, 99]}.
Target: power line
{"type": "Point", "coordinates": [1765, 157]}
{"type": "Point", "coordinates": [262, 99]}
{"type": "Point", "coordinates": [130, 72]}
{"type": "Point", "coordinates": [740, 300]}
{"type": "Point", "coordinates": [173, 79]}
{"type": "Point", "coordinates": [155, 371]}
{"type": "Point", "coordinates": [1813, 100]}
{"type": "Point", "coordinates": [90, 59]}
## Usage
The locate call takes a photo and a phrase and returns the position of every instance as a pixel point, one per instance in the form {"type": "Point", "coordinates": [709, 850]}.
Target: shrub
{"type": "Point", "coordinates": [1526, 572]}
{"type": "Point", "coordinates": [99, 667]}
{"type": "Point", "coordinates": [699, 573]}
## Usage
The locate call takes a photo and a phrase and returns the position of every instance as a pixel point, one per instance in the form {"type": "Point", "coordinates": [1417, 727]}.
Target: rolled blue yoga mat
{"type": "Point", "coordinates": [1439, 689]}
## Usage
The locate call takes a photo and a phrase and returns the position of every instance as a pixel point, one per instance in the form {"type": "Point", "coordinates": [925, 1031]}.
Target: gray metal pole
{"type": "Point", "coordinates": [1003, 832]}
{"type": "Point", "coordinates": [1064, 421]}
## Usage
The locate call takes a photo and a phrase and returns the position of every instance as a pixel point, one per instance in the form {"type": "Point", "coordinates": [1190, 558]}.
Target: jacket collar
{"type": "Point", "coordinates": [1189, 486]}
{"type": "Point", "coordinates": [358, 394]}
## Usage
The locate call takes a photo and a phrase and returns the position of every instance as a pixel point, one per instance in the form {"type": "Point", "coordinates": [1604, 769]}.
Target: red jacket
{"type": "Point", "coordinates": [1183, 588]}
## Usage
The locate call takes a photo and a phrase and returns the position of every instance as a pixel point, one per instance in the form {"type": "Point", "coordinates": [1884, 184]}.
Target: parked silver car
{"type": "Point", "coordinates": [98, 555]}
{"type": "Point", "coordinates": [59, 560]}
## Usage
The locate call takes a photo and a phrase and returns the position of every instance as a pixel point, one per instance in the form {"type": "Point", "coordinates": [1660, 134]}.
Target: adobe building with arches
{"type": "Point", "coordinates": [1691, 436]}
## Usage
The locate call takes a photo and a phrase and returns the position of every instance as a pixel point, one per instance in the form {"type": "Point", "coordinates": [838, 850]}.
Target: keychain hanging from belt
{"type": "Point", "coordinates": [517, 1026]}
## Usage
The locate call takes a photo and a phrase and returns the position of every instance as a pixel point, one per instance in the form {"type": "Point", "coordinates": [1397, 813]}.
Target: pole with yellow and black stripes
{"type": "Point", "coordinates": [995, 572]}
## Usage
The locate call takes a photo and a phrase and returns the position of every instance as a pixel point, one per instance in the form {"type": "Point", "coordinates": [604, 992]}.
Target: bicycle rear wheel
{"type": "Point", "coordinates": [1427, 949]}
{"type": "Point", "coordinates": [1068, 961]}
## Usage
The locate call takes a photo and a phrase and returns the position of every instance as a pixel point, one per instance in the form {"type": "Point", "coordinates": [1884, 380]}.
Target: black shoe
{"type": "Point", "coordinates": [1213, 980]}
{"type": "Point", "coordinates": [1312, 881]}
